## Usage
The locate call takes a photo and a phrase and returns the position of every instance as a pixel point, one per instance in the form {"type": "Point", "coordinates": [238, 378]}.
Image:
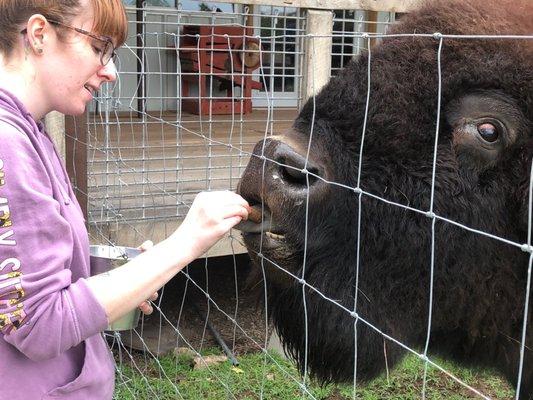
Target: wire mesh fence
{"type": "Point", "coordinates": [192, 99]}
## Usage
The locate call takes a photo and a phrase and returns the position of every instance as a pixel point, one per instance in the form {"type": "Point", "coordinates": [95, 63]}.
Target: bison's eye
{"type": "Point", "coordinates": [488, 132]}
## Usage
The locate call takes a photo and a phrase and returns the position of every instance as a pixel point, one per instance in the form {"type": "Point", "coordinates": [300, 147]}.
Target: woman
{"type": "Point", "coordinates": [54, 54]}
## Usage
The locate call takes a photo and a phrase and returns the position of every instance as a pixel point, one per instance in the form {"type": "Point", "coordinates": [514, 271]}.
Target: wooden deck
{"type": "Point", "coordinates": [143, 173]}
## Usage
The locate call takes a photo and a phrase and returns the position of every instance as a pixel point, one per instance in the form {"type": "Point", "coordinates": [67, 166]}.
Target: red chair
{"type": "Point", "coordinates": [205, 52]}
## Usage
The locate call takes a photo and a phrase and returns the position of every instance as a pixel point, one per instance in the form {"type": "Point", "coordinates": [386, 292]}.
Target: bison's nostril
{"type": "Point", "coordinates": [299, 176]}
{"type": "Point", "coordinates": [295, 169]}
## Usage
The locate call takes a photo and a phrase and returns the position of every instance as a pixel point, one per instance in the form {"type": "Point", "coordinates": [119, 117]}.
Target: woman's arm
{"type": "Point", "coordinates": [45, 306]}
{"type": "Point", "coordinates": [211, 216]}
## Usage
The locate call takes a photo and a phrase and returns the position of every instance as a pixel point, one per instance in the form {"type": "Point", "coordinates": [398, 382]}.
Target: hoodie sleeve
{"type": "Point", "coordinates": [42, 312]}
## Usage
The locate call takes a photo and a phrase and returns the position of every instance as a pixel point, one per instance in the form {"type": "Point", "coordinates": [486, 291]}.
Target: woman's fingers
{"type": "Point", "coordinates": [230, 222]}
{"type": "Point", "coordinates": [210, 217]}
{"type": "Point", "coordinates": [146, 245]}
{"type": "Point", "coordinates": [146, 308]}
{"type": "Point", "coordinates": [235, 210]}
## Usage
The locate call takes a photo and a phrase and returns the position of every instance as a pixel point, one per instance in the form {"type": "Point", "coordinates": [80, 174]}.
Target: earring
{"type": "Point", "coordinates": [39, 50]}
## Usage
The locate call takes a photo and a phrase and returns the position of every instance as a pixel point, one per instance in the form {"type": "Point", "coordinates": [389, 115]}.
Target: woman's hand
{"type": "Point", "coordinates": [145, 306]}
{"type": "Point", "coordinates": [211, 216]}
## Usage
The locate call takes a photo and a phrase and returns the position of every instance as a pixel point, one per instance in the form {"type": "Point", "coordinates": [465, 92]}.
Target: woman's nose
{"type": "Point", "coordinates": [108, 71]}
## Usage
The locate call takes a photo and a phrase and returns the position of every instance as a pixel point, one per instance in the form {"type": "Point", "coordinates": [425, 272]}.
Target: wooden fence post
{"type": "Point", "coordinates": [69, 135]}
{"type": "Point", "coordinates": [55, 126]}
{"type": "Point", "coordinates": [372, 26]}
{"type": "Point", "coordinates": [76, 157]}
{"type": "Point", "coordinates": [317, 52]}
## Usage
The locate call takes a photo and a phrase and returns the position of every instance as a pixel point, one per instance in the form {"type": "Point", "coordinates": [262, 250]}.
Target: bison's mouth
{"type": "Point", "coordinates": [276, 190]}
{"type": "Point", "coordinates": [265, 230]}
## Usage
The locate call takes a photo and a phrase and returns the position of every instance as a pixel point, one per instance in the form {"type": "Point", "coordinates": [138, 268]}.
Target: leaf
{"type": "Point", "coordinates": [237, 370]}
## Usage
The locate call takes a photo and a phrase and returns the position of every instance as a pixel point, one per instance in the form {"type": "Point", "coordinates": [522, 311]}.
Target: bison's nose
{"type": "Point", "coordinates": [278, 174]}
{"type": "Point", "coordinates": [276, 180]}
{"type": "Point", "coordinates": [295, 170]}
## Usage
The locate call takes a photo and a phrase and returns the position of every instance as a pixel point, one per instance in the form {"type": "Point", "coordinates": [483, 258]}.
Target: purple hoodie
{"type": "Point", "coordinates": [50, 345]}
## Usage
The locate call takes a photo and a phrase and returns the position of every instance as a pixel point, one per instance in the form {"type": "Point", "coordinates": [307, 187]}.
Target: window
{"type": "Point", "coordinates": [192, 5]}
{"type": "Point", "coordinates": [189, 5]}
{"type": "Point", "coordinates": [159, 3]}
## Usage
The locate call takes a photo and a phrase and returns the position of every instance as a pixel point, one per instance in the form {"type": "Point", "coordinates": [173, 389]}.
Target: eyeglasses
{"type": "Point", "coordinates": [106, 53]}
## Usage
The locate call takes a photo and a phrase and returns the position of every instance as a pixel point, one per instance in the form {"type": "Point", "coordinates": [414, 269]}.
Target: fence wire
{"type": "Point", "coordinates": [148, 158]}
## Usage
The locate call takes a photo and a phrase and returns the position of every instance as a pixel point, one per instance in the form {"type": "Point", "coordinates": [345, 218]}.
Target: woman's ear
{"type": "Point", "coordinates": [37, 28]}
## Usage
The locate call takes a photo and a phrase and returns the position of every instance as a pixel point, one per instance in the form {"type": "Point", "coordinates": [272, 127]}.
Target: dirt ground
{"type": "Point", "coordinates": [188, 317]}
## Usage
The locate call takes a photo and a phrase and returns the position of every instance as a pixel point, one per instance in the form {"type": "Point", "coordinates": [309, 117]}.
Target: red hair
{"type": "Point", "coordinates": [109, 18]}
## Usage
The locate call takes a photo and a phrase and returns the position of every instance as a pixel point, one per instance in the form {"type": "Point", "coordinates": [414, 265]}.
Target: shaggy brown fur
{"type": "Point", "coordinates": [482, 178]}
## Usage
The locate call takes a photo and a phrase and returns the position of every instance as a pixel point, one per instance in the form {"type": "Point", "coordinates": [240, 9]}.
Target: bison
{"type": "Point", "coordinates": [385, 223]}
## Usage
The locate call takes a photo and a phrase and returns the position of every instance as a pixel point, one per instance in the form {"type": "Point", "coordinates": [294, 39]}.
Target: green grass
{"type": "Point", "coordinates": [255, 376]}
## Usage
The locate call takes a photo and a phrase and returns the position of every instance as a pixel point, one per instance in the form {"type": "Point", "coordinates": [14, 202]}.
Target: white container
{"type": "Point", "coordinates": [104, 259]}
